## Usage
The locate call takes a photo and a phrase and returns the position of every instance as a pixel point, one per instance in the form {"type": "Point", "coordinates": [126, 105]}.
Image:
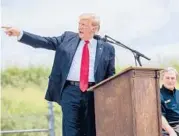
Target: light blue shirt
{"type": "Point", "coordinates": [74, 73]}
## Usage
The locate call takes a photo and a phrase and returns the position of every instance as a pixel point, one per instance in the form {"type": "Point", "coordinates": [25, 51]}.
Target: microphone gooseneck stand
{"type": "Point", "coordinates": [136, 54]}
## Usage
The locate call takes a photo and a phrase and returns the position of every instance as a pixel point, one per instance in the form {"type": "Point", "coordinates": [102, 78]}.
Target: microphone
{"type": "Point", "coordinates": [104, 39]}
{"type": "Point", "coordinates": [98, 37]}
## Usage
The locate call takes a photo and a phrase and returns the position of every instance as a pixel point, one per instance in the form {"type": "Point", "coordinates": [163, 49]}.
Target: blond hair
{"type": "Point", "coordinates": [92, 18]}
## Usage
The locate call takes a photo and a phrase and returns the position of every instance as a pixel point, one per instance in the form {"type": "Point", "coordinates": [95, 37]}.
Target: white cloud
{"type": "Point", "coordinates": [174, 5]}
{"type": "Point", "coordinates": [128, 19]}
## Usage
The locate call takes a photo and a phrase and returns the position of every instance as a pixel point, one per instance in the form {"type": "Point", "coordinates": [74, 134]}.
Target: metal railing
{"type": "Point", "coordinates": [50, 129]}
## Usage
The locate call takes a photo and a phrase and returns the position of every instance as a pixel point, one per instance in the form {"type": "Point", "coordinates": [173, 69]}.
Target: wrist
{"type": "Point", "coordinates": [20, 34]}
{"type": "Point", "coordinates": [170, 130]}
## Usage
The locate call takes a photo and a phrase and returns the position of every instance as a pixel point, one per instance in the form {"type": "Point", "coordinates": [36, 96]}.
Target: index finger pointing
{"type": "Point", "coordinates": [5, 27]}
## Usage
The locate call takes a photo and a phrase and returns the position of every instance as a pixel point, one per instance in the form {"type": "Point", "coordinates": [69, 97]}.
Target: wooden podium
{"type": "Point", "coordinates": [128, 103]}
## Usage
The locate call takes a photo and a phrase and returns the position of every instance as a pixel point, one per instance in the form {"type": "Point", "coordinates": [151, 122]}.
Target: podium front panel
{"type": "Point", "coordinates": [113, 111]}
{"type": "Point", "coordinates": [128, 105]}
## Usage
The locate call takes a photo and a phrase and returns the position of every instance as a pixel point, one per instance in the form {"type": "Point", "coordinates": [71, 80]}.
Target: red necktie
{"type": "Point", "coordinates": [84, 71]}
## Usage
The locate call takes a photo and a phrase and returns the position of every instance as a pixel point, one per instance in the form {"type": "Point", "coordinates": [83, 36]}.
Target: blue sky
{"type": "Point", "coordinates": [150, 26]}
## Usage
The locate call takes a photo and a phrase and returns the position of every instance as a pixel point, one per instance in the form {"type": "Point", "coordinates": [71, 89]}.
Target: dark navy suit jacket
{"type": "Point", "coordinates": [65, 47]}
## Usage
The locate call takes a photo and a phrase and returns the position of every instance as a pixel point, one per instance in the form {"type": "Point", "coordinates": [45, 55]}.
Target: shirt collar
{"type": "Point", "coordinates": [91, 41]}
{"type": "Point", "coordinates": [167, 90]}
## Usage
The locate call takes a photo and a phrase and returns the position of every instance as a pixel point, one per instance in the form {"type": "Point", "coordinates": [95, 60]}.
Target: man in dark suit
{"type": "Point", "coordinates": [81, 60]}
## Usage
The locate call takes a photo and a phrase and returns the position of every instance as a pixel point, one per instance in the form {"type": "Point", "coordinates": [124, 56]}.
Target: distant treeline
{"type": "Point", "coordinates": [23, 77]}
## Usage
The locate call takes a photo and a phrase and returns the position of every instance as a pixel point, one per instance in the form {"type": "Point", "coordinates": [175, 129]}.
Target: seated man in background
{"type": "Point", "coordinates": [170, 102]}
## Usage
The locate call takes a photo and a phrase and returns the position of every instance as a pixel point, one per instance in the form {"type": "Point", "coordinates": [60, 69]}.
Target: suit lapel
{"type": "Point", "coordinates": [73, 47]}
{"type": "Point", "coordinates": [99, 51]}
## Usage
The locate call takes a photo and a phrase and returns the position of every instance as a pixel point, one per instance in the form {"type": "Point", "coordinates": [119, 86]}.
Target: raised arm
{"type": "Point", "coordinates": [33, 40]}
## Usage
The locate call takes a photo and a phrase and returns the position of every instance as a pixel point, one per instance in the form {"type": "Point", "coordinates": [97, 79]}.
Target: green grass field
{"type": "Point", "coordinates": [27, 109]}
{"type": "Point", "coordinates": [22, 101]}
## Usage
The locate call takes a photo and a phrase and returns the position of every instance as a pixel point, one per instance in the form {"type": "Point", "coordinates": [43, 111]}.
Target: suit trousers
{"type": "Point", "coordinates": [78, 112]}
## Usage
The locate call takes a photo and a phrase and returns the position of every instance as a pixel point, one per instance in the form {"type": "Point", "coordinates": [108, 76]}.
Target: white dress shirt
{"type": "Point", "coordinates": [74, 73]}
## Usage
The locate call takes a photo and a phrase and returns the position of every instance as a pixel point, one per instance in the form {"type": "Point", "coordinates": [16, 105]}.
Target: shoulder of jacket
{"type": "Point", "coordinates": [107, 45]}
{"type": "Point", "coordinates": [70, 33]}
